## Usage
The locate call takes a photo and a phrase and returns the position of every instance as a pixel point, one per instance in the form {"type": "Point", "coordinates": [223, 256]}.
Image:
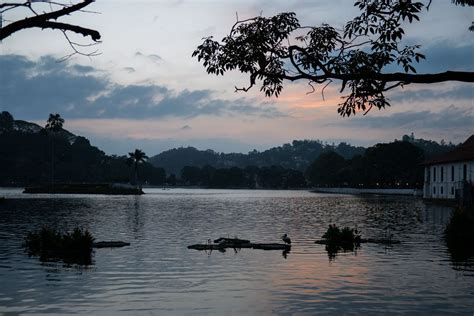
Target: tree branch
{"type": "Point", "coordinates": [42, 21]}
{"type": "Point", "coordinates": [70, 27]}
{"type": "Point", "coordinates": [255, 46]}
{"type": "Point", "coordinates": [463, 76]}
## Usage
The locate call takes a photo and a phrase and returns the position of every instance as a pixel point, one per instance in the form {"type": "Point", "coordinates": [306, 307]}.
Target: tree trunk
{"type": "Point", "coordinates": [52, 161]}
{"type": "Point", "coordinates": [136, 175]}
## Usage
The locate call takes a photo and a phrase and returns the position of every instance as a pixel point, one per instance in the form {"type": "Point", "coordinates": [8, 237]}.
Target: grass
{"type": "Point", "coordinates": [52, 245]}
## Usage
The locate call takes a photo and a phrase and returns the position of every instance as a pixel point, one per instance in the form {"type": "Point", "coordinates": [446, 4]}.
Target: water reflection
{"type": "Point", "coordinates": [137, 218]}
{"type": "Point", "coordinates": [157, 274]}
{"type": "Point", "coordinates": [461, 255]}
{"type": "Point", "coordinates": [333, 249]}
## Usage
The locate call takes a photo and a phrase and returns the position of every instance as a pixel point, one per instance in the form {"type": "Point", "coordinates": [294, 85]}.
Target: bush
{"type": "Point", "coordinates": [50, 244]}
{"type": "Point", "coordinates": [345, 236]}
{"type": "Point", "coordinates": [459, 234]}
{"type": "Point", "coordinates": [336, 239]}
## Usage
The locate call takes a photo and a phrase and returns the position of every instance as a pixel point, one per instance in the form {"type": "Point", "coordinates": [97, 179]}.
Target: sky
{"type": "Point", "coordinates": [145, 90]}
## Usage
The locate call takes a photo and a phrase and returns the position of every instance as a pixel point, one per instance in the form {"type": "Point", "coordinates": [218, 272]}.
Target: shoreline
{"type": "Point", "coordinates": [356, 191]}
{"type": "Point", "coordinates": [105, 189]}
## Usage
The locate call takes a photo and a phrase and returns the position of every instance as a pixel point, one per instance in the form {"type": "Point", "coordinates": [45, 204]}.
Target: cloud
{"type": "Point", "coordinates": [31, 90]}
{"type": "Point", "coordinates": [129, 69]}
{"type": "Point", "coordinates": [458, 92]}
{"type": "Point", "coordinates": [153, 57]}
{"type": "Point", "coordinates": [441, 56]}
{"type": "Point", "coordinates": [451, 117]}
{"type": "Point", "coordinates": [447, 55]}
{"type": "Point", "coordinates": [83, 69]}
{"type": "Point", "coordinates": [186, 127]}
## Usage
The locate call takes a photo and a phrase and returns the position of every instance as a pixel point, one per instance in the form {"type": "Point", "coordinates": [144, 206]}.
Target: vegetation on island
{"type": "Point", "coordinates": [337, 239]}
{"type": "Point", "coordinates": [86, 188]}
{"type": "Point", "coordinates": [135, 159]}
{"type": "Point", "coordinates": [349, 239]}
{"type": "Point", "coordinates": [346, 235]}
{"type": "Point", "coordinates": [52, 245]}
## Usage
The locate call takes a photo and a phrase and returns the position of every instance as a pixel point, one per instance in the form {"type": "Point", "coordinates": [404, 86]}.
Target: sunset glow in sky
{"type": "Point", "coordinates": [146, 91]}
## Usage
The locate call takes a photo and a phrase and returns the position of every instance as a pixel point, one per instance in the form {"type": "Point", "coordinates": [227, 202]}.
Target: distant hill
{"type": "Point", "coordinates": [298, 156]}
{"type": "Point", "coordinates": [430, 148]}
{"type": "Point", "coordinates": [26, 151]}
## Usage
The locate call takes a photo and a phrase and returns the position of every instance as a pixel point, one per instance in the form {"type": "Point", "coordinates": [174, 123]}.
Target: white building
{"type": "Point", "coordinates": [447, 175]}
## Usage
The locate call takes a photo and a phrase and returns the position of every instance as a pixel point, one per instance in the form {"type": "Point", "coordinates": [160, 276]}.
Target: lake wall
{"type": "Point", "coordinates": [356, 191]}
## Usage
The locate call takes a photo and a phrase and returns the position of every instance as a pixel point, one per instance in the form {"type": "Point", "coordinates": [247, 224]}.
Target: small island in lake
{"type": "Point", "coordinates": [90, 188]}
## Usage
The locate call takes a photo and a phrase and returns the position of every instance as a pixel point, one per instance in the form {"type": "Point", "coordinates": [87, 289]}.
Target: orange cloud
{"type": "Point", "coordinates": [298, 96]}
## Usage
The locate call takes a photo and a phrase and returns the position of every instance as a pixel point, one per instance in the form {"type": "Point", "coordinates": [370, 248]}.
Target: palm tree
{"type": "Point", "coordinates": [135, 158]}
{"type": "Point", "coordinates": [53, 124]}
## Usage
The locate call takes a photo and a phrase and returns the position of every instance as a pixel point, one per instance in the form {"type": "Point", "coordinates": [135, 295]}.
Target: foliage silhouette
{"type": "Point", "coordinates": [298, 155]}
{"type": "Point", "coordinates": [336, 239]}
{"type": "Point", "coordinates": [135, 158]}
{"type": "Point", "coordinates": [48, 20]}
{"type": "Point", "coordinates": [49, 244]}
{"type": "Point", "coordinates": [251, 177]}
{"type": "Point", "coordinates": [25, 160]}
{"type": "Point", "coordinates": [54, 124]}
{"type": "Point", "coordinates": [392, 165]}
{"type": "Point", "coordinates": [272, 50]}
{"type": "Point", "coordinates": [459, 234]}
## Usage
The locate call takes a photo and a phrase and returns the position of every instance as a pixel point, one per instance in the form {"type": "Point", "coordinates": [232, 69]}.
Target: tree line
{"type": "Point", "coordinates": [251, 177]}
{"type": "Point", "coordinates": [31, 155]}
{"type": "Point", "coordinates": [392, 165]}
{"type": "Point", "coordinates": [298, 155]}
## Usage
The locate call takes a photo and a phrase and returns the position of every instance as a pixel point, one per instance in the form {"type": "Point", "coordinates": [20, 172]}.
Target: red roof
{"type": "Point", "coordinates": [465, 152]}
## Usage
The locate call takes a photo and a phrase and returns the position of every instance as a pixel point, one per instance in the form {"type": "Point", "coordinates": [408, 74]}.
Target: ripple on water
{"type": "Point", "coordinates": [158, 274]}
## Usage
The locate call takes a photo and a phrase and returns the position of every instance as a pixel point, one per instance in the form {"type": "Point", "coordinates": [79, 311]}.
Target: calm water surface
{"type": "Point", "coordinates": [158, 275]}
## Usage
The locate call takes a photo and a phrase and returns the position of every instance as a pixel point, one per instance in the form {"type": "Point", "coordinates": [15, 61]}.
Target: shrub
{"type": "Point", "coordinates": [345, 236]}
{"type": "Point", "coordinates": [459, 234]}
{"type": "Point", "coordinates": [50, 244]}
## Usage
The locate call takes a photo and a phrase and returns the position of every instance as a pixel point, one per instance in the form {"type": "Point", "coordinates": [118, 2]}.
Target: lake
{"type": "Point", "coordinates": [158, 275]}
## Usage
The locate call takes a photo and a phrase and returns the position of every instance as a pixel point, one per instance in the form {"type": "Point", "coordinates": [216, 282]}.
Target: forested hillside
{"type": "Point", "coordinates": [27, 157]}
{"type": "Point", "coordinates": [298, 155]}
{"type": "Point", "coordinates": [30, 154]}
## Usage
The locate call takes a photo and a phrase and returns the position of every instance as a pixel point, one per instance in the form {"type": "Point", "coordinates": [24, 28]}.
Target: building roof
{"type": "Point", "coordinates": [465, 152]}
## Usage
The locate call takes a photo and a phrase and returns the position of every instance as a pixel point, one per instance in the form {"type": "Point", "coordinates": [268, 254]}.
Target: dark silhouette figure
{"type": "Point", "coordinates": [286, 239]}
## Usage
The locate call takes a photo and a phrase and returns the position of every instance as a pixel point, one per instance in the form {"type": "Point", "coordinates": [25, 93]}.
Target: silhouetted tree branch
{"type": "Point", "coordinates": [47, 20]}
{"type": "Point", "coordinates": [271, 50]}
